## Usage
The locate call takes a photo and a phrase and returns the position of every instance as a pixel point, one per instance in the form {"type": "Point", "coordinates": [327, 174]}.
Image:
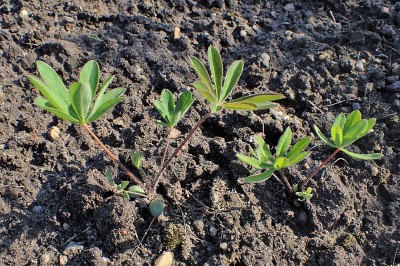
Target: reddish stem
{"type": "Point", "coordinates": [320, 166]}
{"type": "Point", "coordinates": [179, 148]}
{"type": "Point", "coordinates": [113, 157]}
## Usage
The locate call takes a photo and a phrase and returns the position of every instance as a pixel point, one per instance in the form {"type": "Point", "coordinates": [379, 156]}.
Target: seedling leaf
{"type": "Point", "coordinates": [372, 156]}
{"type": "Point", "coordinates": [281, 162]}
{"type": "Point", "coordinates": [351, 120]}
{"type": "Point", "coordinates": [259, 177]}
{"type": "Point", "coordinates": [232, 77]}
{"type": "Point", "coordinates": [323, 138]}
{"type": "Point", "coordinates": [201, 72]}
{"type": "Point", "coordinates": [337, 135]}
{"type": "Point", "coordinates": [284, 142]}
{"type": "Point", "coordinates": [156, 207]}
{"type": "Point", "coordinates": [90, 74]}
{"type": "Point", "coordinates": [253, 162]}
{"type": "Point", "coordinates": [214, 58]}
{"type": "Point", "coordinates": [46, 105]}
{"type": "Point", "coordinates": [298, 147]}
{"type": "Point", "coordinates": [81, 96]}
{"type": "Point", "coordinates": [135, 192]}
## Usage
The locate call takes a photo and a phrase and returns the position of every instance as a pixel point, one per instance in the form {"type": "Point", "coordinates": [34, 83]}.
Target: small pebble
{"type": "Point", "coordinates": [123, 232]}
{"type": "Point", "coordinates": [356, 106]}
{"type": "Point", "coordinates": [243, 33]}
{"type": "Point", "coordinates": [165, 259]}
{"type": "Point", "coordinates": [174, 133]}
{"type": "Point", "coordinates": [289, 7]}
{"type": "Point", "coordinates": [385, 10]}
{"type": "Point", "coordinates": [69, 19]}
{"type": "Point", "coordinates": [37, 209]}
{"type": "Point", "coordinates": [213, 231]}
{"type": "Point", "coordinates": [23, 14]}
{"type": "Point", "coordinates": [360, 66]}
{"type": "Point", "coordinates": [374, 171]}
{"type": "Point", "coordinates": [119, 121]}
{"type": "Point", "coordinates": [54, 133]}
{"type": "Point", "coordinates": [66, 226]}
{"type": "Point", "coordinates": [265, 59]}
{"type": "Point", "coordinates": [223, 246]}
{"type": "Point", "coordinates": [177, 33]}
{"type": "Point", "coordinates": [62, 260]}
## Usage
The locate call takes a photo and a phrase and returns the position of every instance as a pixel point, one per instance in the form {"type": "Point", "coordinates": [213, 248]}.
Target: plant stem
{"type": "Point", "coordinates": [179, 148]}
{"type": "Point", "coordinates": [286, 182]}
{"type": "Point", "coordinates": [113, 157]}
{"type": "Point", "coordinates": [320, 166]}
{"type": "Point", "coordinates": [166, 146]}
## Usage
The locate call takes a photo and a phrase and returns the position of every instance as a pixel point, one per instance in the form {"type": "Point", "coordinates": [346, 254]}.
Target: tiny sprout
{"type": "Point", "coordinates": [172, 113]}
{"type": "Point", "coordinates": [132, 192]}
{"type": "Point", "coordinates": [304, 196]}
{"type": "Point", "coordinates": [218, 92]}
{"type": "Point", "coordinates": [136, 158]}
{"type": "Point", "coordinates": [156, 207]}
{"type": "Point", "coordinates": [283, 158]}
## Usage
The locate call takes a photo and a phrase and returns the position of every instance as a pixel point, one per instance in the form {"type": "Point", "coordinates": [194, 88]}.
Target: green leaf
{"type": "Point", "coordinates": [156, 207]}
{"type": "Point", "coordinates": [100, 94]}
{"type": "Point", "coordinates": [182, 106]}
{"type": "Point", "coordinates": [204, 91]}
{"type": "Point", "coordinates": [167, 100]}
{"type": "Point", "coordinates": [103, 108]}
{"type": "Point", "coordinates": [240, 106]}
{"type": "Point", "coordinates": [81, 97]}
{"type": "Point", "coordinates": [298, 147]}
{"type": "Point", "coordinates": [370, 124]}
{"type": "Point", "coordinates": [281, 162]}
{"type": "Point", "coordinates": [46, 105]}
{"type": "Point", "coordinates": [123, 185]}
{"type": "Point", "coordinates": [259, 177]}
{"type": "Point", "coordinates": [340, 120]}
{"type": "Point", "coordinates": [135, 192]}
{"type": "Point", "coordinates": [54, 98]}
{"type": "Point", "coordinates": [263, 151]}
{"type": "Point", "coordinates": [202, 72]}
{"type": "Point", "coordinates": [284, 142]}
{"type": "Point", "coordinates": [354, 132]}
{"type": "Point", "coordinates": [90, 74]}
{"type": "Point", "coordinates": [109, 178]}
{"type": "Point", "coordinates": [232, 77]}
{"type": "Point", "coordinates": [215, 107]}
{"type": "Point", "coordinates": [351, 120]}
{"type": "Point", "coordinates": [164, 113]}
{"type": "Point", "coordinates": [260, 98]}
{"type": "Point", "coordinates": [297, 158]}
{"type": "Point", "coordinates": [53, 81]}
{"type": "Point", "coordinates": [136, 158]}
{"type": "Point", "coordinates": [215, 61]}
{"type": "Point", "coordinates": [323, 138]}
{"type": "Point", "coordinates": [337, 135]}
{"type": "Point", "coordinates": [253, 162]}
{"type": "Point", "coordinates": [372, 156]}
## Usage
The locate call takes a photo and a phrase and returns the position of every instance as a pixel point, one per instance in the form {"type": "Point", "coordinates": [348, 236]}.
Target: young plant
{"type": "Point", "coordinates": [83, 103]}
{"type": "Point", "coordinates": [266, 162]}
{"type": "Point", "coordinates": [131, 192]}
{"type": "Point", "coordinates": [170, 112]}
{"type": "Point", "coordinates": [345, 131]}
{"type": "Point", "coordinates": [217, 92]}
{"type": "Point", "coordinates": [304, 196]}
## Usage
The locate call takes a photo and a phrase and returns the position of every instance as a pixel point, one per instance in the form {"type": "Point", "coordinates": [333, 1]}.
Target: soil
{"type": "Point", "coordinates": [326, 57]}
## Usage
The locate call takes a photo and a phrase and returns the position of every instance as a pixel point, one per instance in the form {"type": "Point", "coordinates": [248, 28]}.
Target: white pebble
{"type": "Point", "coordinates": [23, 14]}
{"type": "Point", "coordinates": [360, 66]}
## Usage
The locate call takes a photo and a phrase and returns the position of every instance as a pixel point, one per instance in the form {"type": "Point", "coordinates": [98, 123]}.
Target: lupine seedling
{"type": "Point", "coordinates": [83, 103]}
{"type": "Point", "coordinates": [345, 131]}
{"type": "Point", "coordinates": [128, 193]}
{"type": "Point", "coordinates": [218, 91]}
{"type": "Point", "coordinates": [170, 112]}
{"type": "Point", "coordinates": [266, 162]}
{"type": "Point", "coordinates": [304, 196]}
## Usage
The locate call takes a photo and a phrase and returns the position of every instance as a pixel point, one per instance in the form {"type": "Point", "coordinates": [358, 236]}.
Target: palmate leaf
{"type": "Point", "coordinates": [259, 177]}
{"type": "Point", "coordinates": [90, 74]}
{"type": "Point", "coordinates": [53, 81]}
{"type": "Point", "coordinates": [284, 142]}
{"type": "Point", "coordinates": [372, 156]}
{"type": "Point", "coordinates": [232, 77]}
{"type": "Point", "coordinates": [46, 105]}
{"type": "Point", "coordinates": [201, 72]}
{"type": "Point", "coordinates": [215, 60]}
{"type": "Point", "coordinates": [54, 98]}
{"type": "Point", "coordinates": [253, 162]}
{"type": "Point", "coordinates": [298, 147]}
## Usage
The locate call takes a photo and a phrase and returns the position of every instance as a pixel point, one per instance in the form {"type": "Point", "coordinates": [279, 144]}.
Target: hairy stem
{"type": "Point", "coordinates": [166, 146]}
{"type": "Point", "coordinates": [113, 157]}
{"type": "Point", "coordinates": [179, 148]}
{"type": "Point", "coordinates": [320, 166]}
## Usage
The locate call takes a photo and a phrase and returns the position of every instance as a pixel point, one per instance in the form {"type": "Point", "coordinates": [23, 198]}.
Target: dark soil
{"type": "Point", "coordinates": [326, 57]}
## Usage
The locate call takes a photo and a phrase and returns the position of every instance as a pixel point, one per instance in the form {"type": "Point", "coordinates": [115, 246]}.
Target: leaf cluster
{"type": "Point", "coordinates": [172, 113]}
{"type": "Point", "coordinates": [79, 104]}
{"type": "Point", "coordinates": [128, 193]}
{"type": "Point", "coordinates": [346, 130]}
{"type": "Point", "coordinates": [216, 93]}
{"type": "Point", "coordinates": [263, 159]}
{"type": "Point", "coordinates": [306, 195]}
